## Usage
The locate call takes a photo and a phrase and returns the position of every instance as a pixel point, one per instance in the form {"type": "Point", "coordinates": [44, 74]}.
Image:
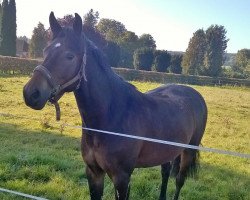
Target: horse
{"type": "Point", "coordinates": [178, 113]}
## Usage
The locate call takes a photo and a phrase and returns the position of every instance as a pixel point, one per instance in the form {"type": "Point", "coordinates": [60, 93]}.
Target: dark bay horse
{"type": "Point", "coordinates": [105, 101]}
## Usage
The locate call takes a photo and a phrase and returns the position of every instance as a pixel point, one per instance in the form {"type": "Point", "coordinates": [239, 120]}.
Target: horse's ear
{"type": "Point", "coordinates": [54, 25]}
{"type": "Point", "coordinates": [77, 25]}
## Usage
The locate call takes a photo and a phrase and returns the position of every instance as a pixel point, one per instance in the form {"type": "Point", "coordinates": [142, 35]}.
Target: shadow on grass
{"type": "Point", "coordinates": [35, 162]}
{"type": "Point", "coordinates": [49, 164]}
{"type": "Point", "coordinates": [211, 182]}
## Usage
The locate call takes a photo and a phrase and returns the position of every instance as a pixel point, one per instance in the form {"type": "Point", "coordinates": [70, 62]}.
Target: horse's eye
{"type": "Point", "coordinates": [70, 56]}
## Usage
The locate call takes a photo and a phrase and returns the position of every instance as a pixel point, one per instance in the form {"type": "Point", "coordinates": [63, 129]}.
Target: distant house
{"type": "Point", "coordinates": [22, 48]}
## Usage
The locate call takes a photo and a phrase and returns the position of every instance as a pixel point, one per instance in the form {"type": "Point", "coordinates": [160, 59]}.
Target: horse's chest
{"type": "Point", "coordinates": [92, 150]}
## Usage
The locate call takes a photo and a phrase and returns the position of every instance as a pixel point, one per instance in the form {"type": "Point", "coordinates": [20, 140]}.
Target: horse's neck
{"type": "Point", "coordinates": [100, 97]}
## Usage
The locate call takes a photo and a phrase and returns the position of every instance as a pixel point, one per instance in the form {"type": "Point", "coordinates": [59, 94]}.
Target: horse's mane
{"type": "Point", "coordinates": [103, 63]}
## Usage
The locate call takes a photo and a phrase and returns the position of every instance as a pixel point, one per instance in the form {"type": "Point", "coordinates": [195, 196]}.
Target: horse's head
{"type": "Point", "coordinates": [63, 65]}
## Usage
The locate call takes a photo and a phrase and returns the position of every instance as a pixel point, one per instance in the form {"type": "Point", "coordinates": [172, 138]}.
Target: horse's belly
{"type": "Point", "coordinates": [157, 154]}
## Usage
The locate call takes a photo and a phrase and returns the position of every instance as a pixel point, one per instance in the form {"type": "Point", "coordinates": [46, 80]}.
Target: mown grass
{"type": "Point", "coordinates": [39, 157]}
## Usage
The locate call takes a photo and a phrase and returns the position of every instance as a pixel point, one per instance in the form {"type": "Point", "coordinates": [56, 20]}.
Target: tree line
{"type": "Point", "coordinates": [123, 48]}
{"type": "Point", "coordinates": [205, 54]}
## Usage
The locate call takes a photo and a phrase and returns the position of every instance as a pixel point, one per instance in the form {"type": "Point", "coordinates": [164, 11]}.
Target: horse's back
{"type": "Point", "coordinates": [181, 91]}
{"type": "Point", "coordinates": [188, 97]}
{"type": "Point", "coordinates": [177, 93]}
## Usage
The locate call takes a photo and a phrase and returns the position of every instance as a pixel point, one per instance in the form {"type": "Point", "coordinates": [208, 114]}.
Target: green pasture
{"type": "Point", "coordinates": [41, 157]}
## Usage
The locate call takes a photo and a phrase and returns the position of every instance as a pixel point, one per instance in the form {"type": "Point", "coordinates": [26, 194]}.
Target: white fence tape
{"type": "Point", "coordinates": [21, 194]}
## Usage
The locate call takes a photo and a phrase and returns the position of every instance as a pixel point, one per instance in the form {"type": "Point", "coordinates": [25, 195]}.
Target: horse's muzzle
{"type": "Point", "coordinates": [35, 98]}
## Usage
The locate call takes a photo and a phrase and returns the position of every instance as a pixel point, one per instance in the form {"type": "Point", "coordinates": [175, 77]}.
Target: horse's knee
{"type": "Point", "coordinates": [96, 182]}
{"type": "Point", "coordinates": [121, 184]}
{"type": "Point", "coordinates": [94, 173]}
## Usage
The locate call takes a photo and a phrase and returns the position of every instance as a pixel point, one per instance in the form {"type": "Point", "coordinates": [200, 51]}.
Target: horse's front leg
{"type": "Point", "coordinates": [121, 184]}
{"type": "Point", "coordinates": [95, 178]}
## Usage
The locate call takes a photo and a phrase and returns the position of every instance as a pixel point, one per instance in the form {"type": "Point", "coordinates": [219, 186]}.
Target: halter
{"type": "Point", "coordinates": [57, 88]}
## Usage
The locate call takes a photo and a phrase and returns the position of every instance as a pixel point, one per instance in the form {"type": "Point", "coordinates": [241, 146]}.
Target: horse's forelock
{"type": "Point", "coordinates": [74, 41]}
{"type": "Point", "coordinates": [66, 37]}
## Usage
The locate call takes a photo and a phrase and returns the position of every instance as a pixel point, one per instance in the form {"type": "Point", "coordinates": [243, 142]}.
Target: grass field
{"type": "Point", "coordinates": [42, 158]}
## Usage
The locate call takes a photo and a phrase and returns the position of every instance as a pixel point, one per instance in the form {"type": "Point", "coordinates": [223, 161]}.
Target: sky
{"type": "Point", "coordinates": [170, 22]}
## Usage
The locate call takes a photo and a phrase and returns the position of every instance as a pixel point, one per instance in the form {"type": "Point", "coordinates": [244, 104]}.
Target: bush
{"type": "Point", "coordinates": [113, 53]}
{"type": "Point", "coordinates": [143, 59]}
{"type": "Point", "coordinates": [175, 64]}
{"type": "Point", "coordinates": [232, 73]}
{"type": "Point", "coordinates": [137, 75]}
{"type": "Point", "coordinates": [161, 61]}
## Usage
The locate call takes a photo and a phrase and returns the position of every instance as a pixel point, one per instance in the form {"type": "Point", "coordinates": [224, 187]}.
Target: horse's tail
{"type": "Point", "coordinates": [191, 157]}
{"type": "Point", "coordinates": [188, 160]}
{"type": "Point", "coordinates": [195, 164]}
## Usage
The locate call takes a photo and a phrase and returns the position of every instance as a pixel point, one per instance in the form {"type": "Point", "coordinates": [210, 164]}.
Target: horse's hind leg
{"type": "Point", "coordinates": [187, 163]}
{"type": "Point", "coordinates": [165, 172]}
{"type": "Point", "coordinates": [95, 178]}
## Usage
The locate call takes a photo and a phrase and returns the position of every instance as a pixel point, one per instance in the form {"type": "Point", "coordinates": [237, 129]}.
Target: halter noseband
{"type": "Point", "coordinates": [57, 88]}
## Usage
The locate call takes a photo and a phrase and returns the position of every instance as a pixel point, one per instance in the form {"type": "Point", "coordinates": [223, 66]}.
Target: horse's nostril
{"type": "Point", "coordinates": [35, 95]}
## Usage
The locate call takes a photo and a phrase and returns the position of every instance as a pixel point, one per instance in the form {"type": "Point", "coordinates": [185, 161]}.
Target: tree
{"type": "Point", "coordinates": [242, 58]}
{"type": "Point", "coordinates": [91, 18]}
{"type": "Point", "coordinates": [4, 28]}
{"type": "Point", "coordinates": [111, 29]}
{"type": "Point", "coordinates": [161, 61]}
{"type": "Point", "coordinates": [1, 15]}
{"type": "Point", "coordinates": [38, 41]}
{"type": "Point", "coordinates": [128, 44]}
{"type": "Point", "coordinates": [242, 65]}
{"type": "Point", "coordinates": [128, 41]}
{"type": "Point", "coordinates": [216, 45]}
{"type": "Point", "coordinates": [146, 41]}
{"type": "Point", "coordinates": [193, 60]}
{"type": "Point", "coordinates": [8, 28]}
{"type": "Point", "coordinates": [116, 32]}
{"type": "Point", "coordinates": [12, 27]}
{"type": "Point", "coordinates": [128, 38]}
{"type": "Point", "coordinates": [24, 38]}
{"type": "Point", "coordinates": [22, 46]}
{"type": "Point", "coordinates": [90, 30]}
{"type": "Point", "coordinates": [143, 59]}
{"type": "Point", "coordinates": [175, 63]}
{"type": "Point", "coordinates": [67, 20]}
{"type": "Point", "coordinates": [112, 52]}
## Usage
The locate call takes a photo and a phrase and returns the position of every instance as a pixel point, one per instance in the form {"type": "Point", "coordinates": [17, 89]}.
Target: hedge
{"type": "Point", "coordinates": [15, 65]}
{"type": "Point", "coordinates": [130, 75]}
